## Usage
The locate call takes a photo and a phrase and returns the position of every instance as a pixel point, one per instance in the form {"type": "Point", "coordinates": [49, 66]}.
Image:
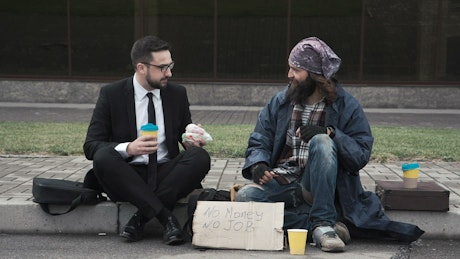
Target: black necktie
{"type": "Point", "coordinates": [152, 167]}
{"type": "Point", "coordinates": [151, 109]}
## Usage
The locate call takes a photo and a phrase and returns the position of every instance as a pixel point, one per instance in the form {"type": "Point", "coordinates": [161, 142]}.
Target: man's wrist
{"type": "Point", "coordinates": [331, 131]}
{"type": "Point", "coordinates": [122, 149]}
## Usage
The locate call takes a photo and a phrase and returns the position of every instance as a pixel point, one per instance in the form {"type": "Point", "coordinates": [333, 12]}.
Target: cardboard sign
{"type": "Point", "coordinates": [238, 225]}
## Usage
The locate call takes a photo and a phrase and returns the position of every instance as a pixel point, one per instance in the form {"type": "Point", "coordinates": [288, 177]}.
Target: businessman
{"type": "Point", "coordinates": [152, 173]}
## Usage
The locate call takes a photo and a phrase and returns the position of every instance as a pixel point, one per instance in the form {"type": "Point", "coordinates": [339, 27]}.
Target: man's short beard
{"type": "Point", "coordinates": [298, 92]}
{"type": "Point", "coordinates": [153, 84]}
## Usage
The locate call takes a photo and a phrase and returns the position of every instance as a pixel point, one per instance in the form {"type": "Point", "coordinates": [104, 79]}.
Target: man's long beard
{"type": "Point", "coordinates": [299, 91]}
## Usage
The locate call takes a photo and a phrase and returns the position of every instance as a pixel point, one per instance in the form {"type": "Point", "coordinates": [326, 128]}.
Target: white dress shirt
{"type": "Point", "coordinates": [141, 104]}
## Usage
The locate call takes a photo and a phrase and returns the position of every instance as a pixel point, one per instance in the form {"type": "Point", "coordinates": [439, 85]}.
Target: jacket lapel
{"type": "Point", "coordinates": [167, 114]}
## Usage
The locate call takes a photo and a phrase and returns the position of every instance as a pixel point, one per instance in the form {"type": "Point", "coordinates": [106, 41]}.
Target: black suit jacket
{"type": "Point", "coordinates": [114, 117]}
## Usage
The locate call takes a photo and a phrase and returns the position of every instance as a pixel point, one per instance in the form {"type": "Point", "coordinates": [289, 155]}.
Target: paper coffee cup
{"type": "Point", "coordinates": [297, 241]}
{"type": "Point", "coordinates": [149, 129]}
{"type": "Point", "coordinates": [410, 175]}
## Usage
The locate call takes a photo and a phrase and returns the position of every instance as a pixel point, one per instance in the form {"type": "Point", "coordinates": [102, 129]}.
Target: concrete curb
{"type": "Point", "coordinates": [109, 218]}
{"type": "Point", "coordinates": [105, 217]}
{"type": "Point", "coordinates": [28, 217]}
{"type": "Point", "coordinates": [435, 224]}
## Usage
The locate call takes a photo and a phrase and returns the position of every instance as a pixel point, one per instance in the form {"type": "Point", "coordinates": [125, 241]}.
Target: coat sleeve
{"type": "Point", "coordinates": [262, 141]}
{"type": "Point", "coordinates": [113, 120]}
{"type": "Point", "coordinates": [99, 129]}
{"type": "Point", "coordinates": [353, 138]}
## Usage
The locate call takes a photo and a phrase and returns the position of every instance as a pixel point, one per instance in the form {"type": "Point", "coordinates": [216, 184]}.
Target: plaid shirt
{"type": "Point", "coordinates": [296, 150]}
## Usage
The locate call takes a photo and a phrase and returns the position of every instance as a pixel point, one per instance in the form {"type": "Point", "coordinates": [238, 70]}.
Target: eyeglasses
{"type": "Point", "coordinates": [163, 68]}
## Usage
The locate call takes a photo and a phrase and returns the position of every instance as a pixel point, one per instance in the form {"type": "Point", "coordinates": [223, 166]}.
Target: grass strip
{"type": "Point", "coordinates": [230, 141]}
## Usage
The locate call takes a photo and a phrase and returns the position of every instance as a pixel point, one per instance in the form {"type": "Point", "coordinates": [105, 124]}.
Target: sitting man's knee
{"type": "Point", "coordinates": [104, 154]}
{"type": "Point", "coordinates": [200, 157]}
{"type": "Point", "coordinates": [321, 139]}
{"type": "Point", "coordinates": [103, 157]}
{"type": "Point", "coordinates": [205, 158]}
{"type": "Point", "coordinates": [250, 192]}
{"type": "Point", "coordinates": [322, 143]}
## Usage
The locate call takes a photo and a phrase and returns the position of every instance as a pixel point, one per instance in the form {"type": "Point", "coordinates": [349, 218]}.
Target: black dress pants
{"type": "Point", "coordinates": [176, 178]}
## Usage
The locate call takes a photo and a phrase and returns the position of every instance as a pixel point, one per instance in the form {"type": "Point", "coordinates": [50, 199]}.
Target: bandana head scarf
{"type": "Point", "coordinates": [314, 55]}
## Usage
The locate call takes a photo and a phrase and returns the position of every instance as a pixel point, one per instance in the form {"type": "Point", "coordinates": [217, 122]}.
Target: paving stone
{"type": "Point", "coordinates": [17, 174]}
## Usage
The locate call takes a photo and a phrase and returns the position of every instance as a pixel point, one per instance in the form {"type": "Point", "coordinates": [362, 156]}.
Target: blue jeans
{"type": "Point", "coordinates": [319, 178]}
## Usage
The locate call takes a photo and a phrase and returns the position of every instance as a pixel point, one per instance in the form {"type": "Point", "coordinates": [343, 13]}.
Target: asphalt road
{"type": "Point", "coordinates": [376, 117]}
{"type": "Point", "coordinates": [111, 246]}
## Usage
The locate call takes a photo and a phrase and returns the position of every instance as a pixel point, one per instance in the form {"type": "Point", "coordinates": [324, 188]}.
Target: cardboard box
{"type": "Point", "coordinates": [238, 225]}
{"type": "Point", "coordinates": [428, 196]}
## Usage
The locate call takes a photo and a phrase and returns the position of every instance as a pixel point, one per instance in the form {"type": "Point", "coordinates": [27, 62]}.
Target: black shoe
{"type": "Point", "coordinates": [172, 232]}
{"type": "Point", "coordinates": [134, 229]}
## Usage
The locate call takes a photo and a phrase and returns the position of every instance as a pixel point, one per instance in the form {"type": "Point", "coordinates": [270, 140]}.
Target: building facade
{"type": "Point", "coordinates": [379, 41]}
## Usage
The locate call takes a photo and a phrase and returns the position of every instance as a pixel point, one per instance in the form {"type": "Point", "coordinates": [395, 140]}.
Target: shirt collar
{"type": "Point", "coordinates": [140, 92]}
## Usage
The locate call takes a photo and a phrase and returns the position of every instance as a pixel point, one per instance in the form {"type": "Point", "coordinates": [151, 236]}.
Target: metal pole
{"type": "Point", "coordinates": [288, 28]}
{"type": "Point", "coordinates": [214, 61]}
{"type": "Point", "coordinates": [69, 41]}
{"type": "Point", "coordinates": [361, 51]}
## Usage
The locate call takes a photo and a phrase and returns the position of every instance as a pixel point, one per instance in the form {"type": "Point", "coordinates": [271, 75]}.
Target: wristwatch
{"type": "Point", "coordinates": [332, 132]}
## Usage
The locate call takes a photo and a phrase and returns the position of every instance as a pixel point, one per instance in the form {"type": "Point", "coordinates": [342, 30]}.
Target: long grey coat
{"type": "Point", "coordinates": [361, 210]}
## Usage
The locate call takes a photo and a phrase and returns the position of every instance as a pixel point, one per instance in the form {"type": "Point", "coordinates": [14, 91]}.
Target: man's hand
{"type": "Point", "coordinates": [261, 173]}
{"type": "Point", "coordinates": [309, 131]}
{"type": "Point", "coordinates": [189, 144]}
{"type": "Point", "coordinates": [195, 136]}
{"type": "Point", "coordinates": [142, 145]}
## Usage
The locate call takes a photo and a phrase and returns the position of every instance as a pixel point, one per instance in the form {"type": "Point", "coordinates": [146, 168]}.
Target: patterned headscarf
{"type": "Point", "coordinates": [314, 55]}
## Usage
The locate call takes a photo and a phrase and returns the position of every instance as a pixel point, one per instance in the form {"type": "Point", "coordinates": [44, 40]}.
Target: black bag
{"type": "Point", "coordinates": [63, 192]}
{"type": "Point", "coordinates": [208, 194]}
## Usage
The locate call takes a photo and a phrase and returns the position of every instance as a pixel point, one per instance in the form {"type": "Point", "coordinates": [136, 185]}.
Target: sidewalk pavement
{"type": "Point", "coordinates": [19, 214]}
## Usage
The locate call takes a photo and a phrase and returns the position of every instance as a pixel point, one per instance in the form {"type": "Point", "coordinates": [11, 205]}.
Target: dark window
{"type": "Point", "coordinates": [34, 37]}
{"type": "Point", "coordinates": [102, 37]}
{"type": "Point", "coordinates": [335, 22]}
{"type": "Point", "coordinates": [391, 40]}
{"type": "Point", "coordinates": [231, 40]}
{"type": "Point", "coordinates": [251, 39]}
{"type": "Point", "coordinates": [188, 27]}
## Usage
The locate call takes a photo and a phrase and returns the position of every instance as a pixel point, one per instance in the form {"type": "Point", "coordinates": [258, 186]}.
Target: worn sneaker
{"type": "Point", "coordinates": [327, 239]}
{"type": "Point", "coordinates": [342, 231]}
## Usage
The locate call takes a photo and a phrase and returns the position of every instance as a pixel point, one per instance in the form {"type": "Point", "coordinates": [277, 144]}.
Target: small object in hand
{"type": "Point", "coordinates": [195, 133]}
{"type": "Point", "coordinates": [280, 174]}
{"type": "Point", "coordinates": [149, 129]}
